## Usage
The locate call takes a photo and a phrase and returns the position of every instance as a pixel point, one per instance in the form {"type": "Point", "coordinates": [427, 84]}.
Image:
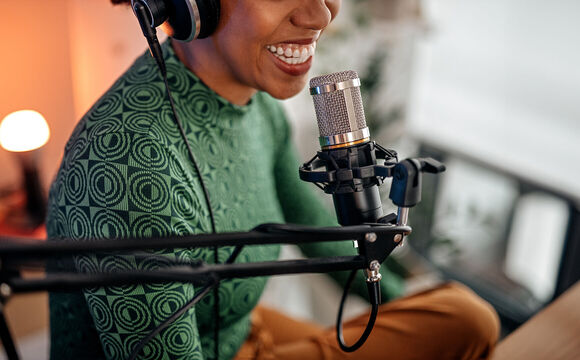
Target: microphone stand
{"type": "Point", "coordinates": [375, 243]}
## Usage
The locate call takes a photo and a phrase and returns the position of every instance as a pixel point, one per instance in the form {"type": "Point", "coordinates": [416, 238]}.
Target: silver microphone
{"type": "Point", "coordinates": [346, 147]}
{"type": "Point", "coordinates": [339, 109]}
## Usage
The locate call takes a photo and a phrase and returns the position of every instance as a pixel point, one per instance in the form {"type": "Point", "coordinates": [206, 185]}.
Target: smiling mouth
{"type": "Point", "coordinates": [293, 54]}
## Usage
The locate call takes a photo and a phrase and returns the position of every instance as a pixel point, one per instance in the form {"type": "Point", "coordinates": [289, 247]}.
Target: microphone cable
{"type": "Point", "coordinates": [375, 300]}
{"type": "Point", "coordinates": [373, 288]}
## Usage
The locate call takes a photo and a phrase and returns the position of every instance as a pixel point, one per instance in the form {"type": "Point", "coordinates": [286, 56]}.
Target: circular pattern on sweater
{"type": "Point", "coordinates": [176, 170]}
{"type": "Point", "coordinates": [152, 351]}
{"type": "Point", "coordinates": [107, 224]}
{"type": "Point", "coordinates": [148, 191]}
{"type": "Point", "coordinates": [78, 223]}
{"type": "Point", "coordinates": [106, 107]}
{"type": "Point", "coordinates": [201, 108]}
{"type": "Point", "coordinates": [148, 263]}
{"type": "Point", "coordinates": [77, 134]}
{"type": "Point", "coordinates": [105, 125]}
{"type": "Point", "coordinates": [86, 264]}
{"type": "Point", "coordinates": [112, 147]}
{"type": "Point", "coordinates": [75, 183]}
{"type": "Point", "coordinates": [148, 154]}
{"type": "Point", "coordinates": [168, 126]}
{"type": "Point", "coordinates": [178, 80]}
{"type": "Point", "coordinates": [139, 122]}
{"type": "Point", "coordinates": [147, 225]}
{"type": "Point", "coordinates": [179, 339]}
{"type": "Point", "coordinates": [183, 203]}
{"type": "Point", "coordinates": [58, 191]}
{"type": "Point", "coordinates": [211, 148]}
{"type": "Point", "coordinates": [106, 185]}
{"type": "Point", "coordinates": [115, 263]}
{"type": "Point", "coordinates": [143, 96]}
{"type": "Point", "coordinates": [246, 295]}
{"type": "Point", "coordinates": [182, 228]}
{"type": "Point", "coordinates": [226, 294]}
{"type": "Point", "coordinates": [167, 304]}
{"type": "Point", "coordinates": [100, 312]}
{"type": "Point", "coordinates": [60, 222]}
{"type": "Point", "coordinates": [130, 314]}
{"type": "Point", "coordinates": [77, 151]}
{"type": "Point", "coordinates": [143, 71]}
{"type": "Point", "coordinates": [112, 346]}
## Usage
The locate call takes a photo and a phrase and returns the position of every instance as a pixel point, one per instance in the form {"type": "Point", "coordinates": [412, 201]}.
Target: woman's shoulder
{"type": "Point", "coordinates": [131, 108]}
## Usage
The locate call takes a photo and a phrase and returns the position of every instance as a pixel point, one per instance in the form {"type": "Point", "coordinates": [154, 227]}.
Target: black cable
{"type": "Point", "coordinates": [197, 297]}
{"type": "Point", "coordinates": [374, 297]}
{"type": "Point", "coordinates": [151, 35]}
{"type": "Point", "coordinates": [210, 210]}
{"type": "Point", "coordinates": [191, 155]}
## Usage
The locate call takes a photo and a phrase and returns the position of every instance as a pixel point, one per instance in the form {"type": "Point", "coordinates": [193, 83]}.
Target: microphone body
{"type": "Point", "coordinates": [356, 201]}
{"type": "Point", "coordinates": [346, 147]}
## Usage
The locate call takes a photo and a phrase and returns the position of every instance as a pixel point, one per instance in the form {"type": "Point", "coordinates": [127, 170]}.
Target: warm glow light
{"type": "Point", "coordinates": [23, 130]}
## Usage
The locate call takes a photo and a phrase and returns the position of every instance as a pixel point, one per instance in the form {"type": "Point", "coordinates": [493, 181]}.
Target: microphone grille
{"type": "Point", "coordinates": [340, 111]}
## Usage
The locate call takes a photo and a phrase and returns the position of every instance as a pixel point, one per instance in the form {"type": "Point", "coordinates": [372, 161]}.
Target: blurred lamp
{"type": "Point", "coordinates": [22, 132]}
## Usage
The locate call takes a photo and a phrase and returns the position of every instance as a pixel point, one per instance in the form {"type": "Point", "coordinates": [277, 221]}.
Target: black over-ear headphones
{"type": "Point", "coordinates": [183, 20]}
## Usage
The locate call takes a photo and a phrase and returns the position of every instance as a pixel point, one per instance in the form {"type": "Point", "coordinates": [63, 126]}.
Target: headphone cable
{"type": "Point", "coordinates": [143, 15]}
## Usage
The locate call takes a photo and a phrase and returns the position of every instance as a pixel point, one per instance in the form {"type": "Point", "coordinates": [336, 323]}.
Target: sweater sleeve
{"type": "Point", "coordinates": [120, 185]}
{"type": "Point", "coordinates": [301, 205]}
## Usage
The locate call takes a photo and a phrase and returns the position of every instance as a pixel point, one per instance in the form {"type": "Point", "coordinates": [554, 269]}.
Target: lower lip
{"type": "Point", "coordinates": [294, 70]}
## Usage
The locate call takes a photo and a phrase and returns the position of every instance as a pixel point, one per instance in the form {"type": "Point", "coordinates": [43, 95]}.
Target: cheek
{"type": "Point", "coordinates": [243, 38]}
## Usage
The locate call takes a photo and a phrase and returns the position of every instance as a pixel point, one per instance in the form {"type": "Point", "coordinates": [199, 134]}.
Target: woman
{"type": "Point", "coordinates": [126, 172]}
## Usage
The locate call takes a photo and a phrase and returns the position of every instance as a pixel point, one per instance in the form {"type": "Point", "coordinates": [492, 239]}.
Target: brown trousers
{"type": "Point", "coordinates": [448, 322]}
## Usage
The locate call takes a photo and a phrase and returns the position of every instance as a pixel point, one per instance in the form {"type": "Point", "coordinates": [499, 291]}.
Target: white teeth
{"type": "Point", "coordinates": [291, 53]}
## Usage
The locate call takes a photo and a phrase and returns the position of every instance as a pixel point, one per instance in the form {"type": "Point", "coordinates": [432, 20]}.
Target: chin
{"type": "Point", "coordinates": [288, 90]}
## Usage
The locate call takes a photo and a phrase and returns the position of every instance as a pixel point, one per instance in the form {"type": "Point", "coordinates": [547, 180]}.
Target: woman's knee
{"type": "Point", "coordinates": [474, 320]}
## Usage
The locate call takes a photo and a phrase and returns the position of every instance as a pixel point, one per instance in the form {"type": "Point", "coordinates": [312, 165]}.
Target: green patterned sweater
{"type": "Point", "coordinates": [126, 173]}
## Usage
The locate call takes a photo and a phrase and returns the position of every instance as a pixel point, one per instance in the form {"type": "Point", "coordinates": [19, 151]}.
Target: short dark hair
{"type": "Point", "coordinates": [117, 2]}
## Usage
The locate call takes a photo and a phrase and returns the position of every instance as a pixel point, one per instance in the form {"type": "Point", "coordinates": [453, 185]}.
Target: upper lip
{"type": "Point", "coordinates": [302, 41]}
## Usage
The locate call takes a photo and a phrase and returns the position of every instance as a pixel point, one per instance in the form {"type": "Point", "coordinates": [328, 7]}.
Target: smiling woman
{"type": "Point", "coordinates": [238, 60]}
{"type": "Point", "coordinates": [126, 172]}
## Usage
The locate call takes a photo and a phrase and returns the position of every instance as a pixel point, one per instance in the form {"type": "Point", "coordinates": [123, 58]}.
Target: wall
{"type": "Point", "coordinates": [499, 80]}
{"type": "Point", "coordinates": [35, 74]}
{"type": "Point", "coordinates": [104, 41]}
{"type": "Point", "coordinates": [58, 57]}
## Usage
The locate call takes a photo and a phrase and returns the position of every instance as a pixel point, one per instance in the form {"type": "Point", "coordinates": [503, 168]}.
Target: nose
{"type": "Point", "coordinates": [312, 14]}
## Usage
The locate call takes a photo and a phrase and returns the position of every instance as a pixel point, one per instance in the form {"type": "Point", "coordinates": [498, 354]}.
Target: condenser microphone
{"type": "Point", "coordinates": [346, 147]}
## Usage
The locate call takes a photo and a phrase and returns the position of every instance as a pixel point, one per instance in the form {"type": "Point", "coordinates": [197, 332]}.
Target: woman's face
{"type": "Point", "coordinates": [269, 45]}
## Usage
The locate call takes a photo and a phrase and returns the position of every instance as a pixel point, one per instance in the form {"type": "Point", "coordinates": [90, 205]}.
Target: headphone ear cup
{"type": "Point", "coordinates": [210, 16]}
{"type": "Point", "coordinates": [191, 19]}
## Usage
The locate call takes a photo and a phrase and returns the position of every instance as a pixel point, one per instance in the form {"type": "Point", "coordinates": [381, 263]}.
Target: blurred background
{"type": "Point", "coordinates": [489, 87]}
